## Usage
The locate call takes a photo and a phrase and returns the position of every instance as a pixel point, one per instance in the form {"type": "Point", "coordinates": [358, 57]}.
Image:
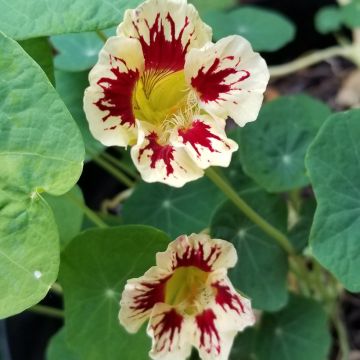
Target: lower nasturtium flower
{"type": "Point", "coordinates": [188, 300]}
{"type": "Point", "coordinates": [162, 87]}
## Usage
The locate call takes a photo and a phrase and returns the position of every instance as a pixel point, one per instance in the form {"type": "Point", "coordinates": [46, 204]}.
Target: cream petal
{"type": "Point", "coordinates": [170, 333]}
{"type": "Point", "coordinates": [162, 163]}
{"type": "Point", "coordinates": [108, 99]}
{"type": "Point", "coordinates": [197, 250]}
{"type": "Point", "coordinates": [205, 141]}
{"type": "Point", "coordinates": [229, 78]}
{"type": "Point", "coordinates": [167, 30]}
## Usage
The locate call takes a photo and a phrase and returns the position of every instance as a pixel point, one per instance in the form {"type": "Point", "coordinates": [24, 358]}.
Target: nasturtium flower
{"type": "Point", "coordinates": [162, 87]}
{"type": "Point", "coordinates": [188, 300]}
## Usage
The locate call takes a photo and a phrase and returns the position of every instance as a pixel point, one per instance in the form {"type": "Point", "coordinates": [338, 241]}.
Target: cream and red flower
{"type": "Point", "coordinates": [164, 88]}
{"type": "Point", "coordinates": [188, 300]}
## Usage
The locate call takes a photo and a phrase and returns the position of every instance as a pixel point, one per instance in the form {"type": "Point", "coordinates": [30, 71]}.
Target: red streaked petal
{"type": "Point", "coordinates": [169, 331]}
{"type": "Point", "coordinates": [227, 299]}
{"type": "Point", "coordinates": [166, 30]}
{"type": "Point", "coordinates": [206, 142]}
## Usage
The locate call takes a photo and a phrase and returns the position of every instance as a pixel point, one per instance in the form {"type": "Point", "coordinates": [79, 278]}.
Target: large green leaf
{"type": "Point", "coordinates": [298, 332]}
{"type": "Point", "coordinates": [266, 30]}
{"type": "Point", "coordinates": [205, 5]}
{"type": "Point", "coordinates": [176, 211]}
{"type": "Point", "coordinates": [40, 150]}
{"type": "Point", "coordinates": [273, 148]}
{"type": "Point", "coordinates": [94, 270]}
{"type": "Point", "coordinates": [68, 216]}
{"type": "Point", "coordinates": [24, 19]}
{"type": "Point", "coordinates": [244, 345]}
{"type": "Point", "coordinates": [262, 267]}
{"type": "Point", "coordinates": [71, 87]}
{"type": "Point", "coordinates": [350, 13]}
{"type": "Point", "coordinates": [333, 162]}
{"type": "Point", "coordinates": [58, 348]}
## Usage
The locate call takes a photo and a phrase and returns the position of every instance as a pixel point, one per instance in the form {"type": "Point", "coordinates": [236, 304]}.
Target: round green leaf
{"type": "Point", "coordinates": [273, 147]}
{"type": "Point", "coordinates": [71, 87]}
{"type": "Point", "coordinates": [94, 269]}
{"type": "Point", "coordinates": [266, 30]}
{"type": "Point", "coordinates": [58, 348]}
{"type": "Point", "coordinates": [244, 345]}
{"type": "Point", "coordinates": [299, 331]}
{"type": "Point", "coordinates": [68, 216]}
{"type": "Point", "coordinates": [328, 19]}
{"type": "Point", "coordinates": [333, 162]}
{"type": "Point", "coordinates": [262, 267]}
{"type": "Point", "coordinates": [40, 150]}
{"type": "Point", "coordinates": [205, 5]}
{"type": "Point", "coordinates": [176, 211]}
{"type": "Point", "coordinates": [24, 19]}
{"type": "Point", "coordinates": [350, 14]}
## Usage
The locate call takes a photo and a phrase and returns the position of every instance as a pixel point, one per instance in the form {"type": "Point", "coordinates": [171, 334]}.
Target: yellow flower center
{"type": "Point", "coordinates": [185, 287]}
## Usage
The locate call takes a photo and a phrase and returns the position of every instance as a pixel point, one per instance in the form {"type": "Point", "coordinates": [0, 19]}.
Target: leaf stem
{"type": "Point", "coordinates": [342, 335]}
{"type": "Point", "coordinates": [91, 215]}
{"type": "Point", "coordinates": [101, 35]}
{"type": "Point", "coordinates": [312, 59]}
{"type": "Point", "coordinates": [228, 190]}
{"type": "Point", "coordinates": [57, 289]}
{"type": "Point", "coordinates": [121, 165]}
{"type": "Point", "coordinates": [47, 311]}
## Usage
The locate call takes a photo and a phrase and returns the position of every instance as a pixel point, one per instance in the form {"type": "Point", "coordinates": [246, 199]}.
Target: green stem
{"type": "Point", "coordinates": [91, 215]}
{"type": "Point", "coordinates": [342, 336]}
{"type": "Point", "coordinates": [312, 59]}
{"type": "Point", "coordinates": [227, 189]}
{"type": "Point", "coordinates": [47, 311]}
{"type": "Point", "coordinates": [113, 171]}
{"type": "Point", "coordinates": [116, 162]}
{"type": "Point", "coordinates": [101, 35]}
{"type": "Point", "coordinates": [57, 289]}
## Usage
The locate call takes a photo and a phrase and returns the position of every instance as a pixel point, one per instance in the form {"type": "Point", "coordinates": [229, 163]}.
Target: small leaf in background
{"type": "Point", "coordinates": [333, 162]}
{"type": "Point", "coordinates": [266, 30]}
{"type": "Point", "coordinates": [94, 269]}
{"type": "Point", "coordinates": [273, 148]}
{"type": "Point", "coordinates": [71, 87]}
{"type": "Point", "coordinates": [59, 16]}
{"type": "Point", "coordinates": [350, 14]}
{"type": "Point", "coordinates": [299, 331]}
{"type": "Point", "coordinates": [41, 150]}
{"type": "Point", "coordinates": [78, 52]}
{"type": "Point", "coordinates": [40, 50]}
{"type": "Point", "coordinates": [328, 19]}
{"type": "Point", "coordinates": [205, 5]}
{"type": "Point", "coordinates": [261, 270]}
{"type": "Point", "coordinates": [58, 348]}
{"type": "Point", "coordinates": [175, 211]}
{"type": "Point", "coordinates": [68, 216]}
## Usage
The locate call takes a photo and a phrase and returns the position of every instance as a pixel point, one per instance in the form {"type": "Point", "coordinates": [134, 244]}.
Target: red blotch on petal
{"type": "Point", "coordinates": [211, 83]}
{"type": "Point", "coordinates": [196, 257]}
{"type": "Point", "coordinates": [162, 53]}
{"type": "Point", "coordinates": [166, 329]}
{"type": "Point", "coordinates": [206, 324]}
{"type": "Point", "coordinates": [117, 97]}
{"type": "Point", "coordinates": [158, 152]}
{"type": "Point", "coordinates": [198, 135]}
{"type": "Point", "coordinates": [227, 299]}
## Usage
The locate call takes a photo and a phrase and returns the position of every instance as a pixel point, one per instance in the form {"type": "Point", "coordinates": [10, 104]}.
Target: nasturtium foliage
{"type": "Point", "coordinates": [39, 153]}
{"type": "Point", "coordinates": [299, 331]}
{"type": "Point", "coordinates": [68, 216]}
{"type": "Point", "coordinates": [58, 348]}
{"type": "Point", "coordinates": [350, 14]}
{"type": "Point", "coordinates": [262, 266]}
{"type": "Point", "coordinates": [244, 346]}
{"type": "Point", "coordinates": [40, 50]}
{"type": "Point", "coordinates": [94, 270]}
{"type": "Point", "coordinates": [328, 19]}
{"type": "Point", "coordinates": [273, 148]}
{"type": "Point", "coordinates": [333, 163]}
{"type": "Point", "coordinates": [205, 5]}
{"type": "Point", "coordinates": [266, 29]}
{"type": "Point", "coordinates": [175, 211]}
{"type": "Point", "coordinates": [71, 87]}
{"type": "Point", "coordinates": [23, 19]}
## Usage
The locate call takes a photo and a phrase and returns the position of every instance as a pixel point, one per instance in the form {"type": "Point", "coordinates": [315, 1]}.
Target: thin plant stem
{"type": "Point", "coordinates": [57, 289]}
{"type": "Point", "coordinates": [101, 35]}
{"type": "Point", "coordinates": [228, 190]}
{"type": "Point", "coordinates": [47, 311]}
{"type": "Point", "coordinates": [311, 59]}
{"type": "Point", "coordinates": [91, 215]}
{"type": "Point", "coordinates": [113, 171]}
{"type": "Point", "coordinates": [342, 335]}
{"type": "Point", "coordinates": [116, 162]}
